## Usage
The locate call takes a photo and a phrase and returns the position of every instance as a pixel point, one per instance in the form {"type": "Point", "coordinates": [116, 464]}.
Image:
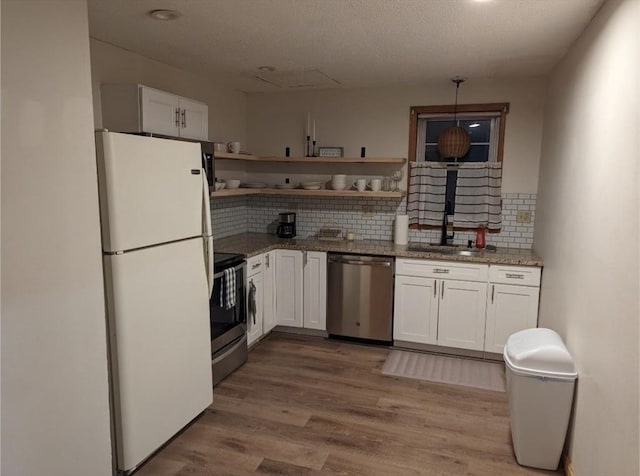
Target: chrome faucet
{"type": "Point", "coordinates": [444, 237]}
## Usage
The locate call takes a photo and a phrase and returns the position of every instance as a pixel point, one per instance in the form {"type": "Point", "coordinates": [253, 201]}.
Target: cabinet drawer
{"type": "Point", "coordinates": [255, 265]}
{"type": "Point", "coordinates": [522, 275]}
{"type": "Point", "coordinates": [442, 269]}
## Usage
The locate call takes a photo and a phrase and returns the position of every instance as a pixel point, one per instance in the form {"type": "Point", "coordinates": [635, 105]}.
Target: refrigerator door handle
{"type": "Point", "coordinates": [207, 233]}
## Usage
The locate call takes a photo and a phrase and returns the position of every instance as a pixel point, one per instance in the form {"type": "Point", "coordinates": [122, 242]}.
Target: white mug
{"type": "Point", "coordinates": [338, 185]}
{"type": "Point", "coordinates": [234, 147]}
{"type": "Point", "coordinates": [360, 184]}
{"type": "Point", "coordinates": [376, 185]}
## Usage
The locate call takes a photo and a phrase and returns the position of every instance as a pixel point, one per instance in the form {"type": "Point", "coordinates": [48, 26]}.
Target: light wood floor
{"type": "Point", "coordinates": [310, 406]}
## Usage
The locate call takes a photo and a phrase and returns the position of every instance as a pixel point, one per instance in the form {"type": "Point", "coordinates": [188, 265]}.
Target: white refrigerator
{"type": "Point", "coordinates": [158, 267]}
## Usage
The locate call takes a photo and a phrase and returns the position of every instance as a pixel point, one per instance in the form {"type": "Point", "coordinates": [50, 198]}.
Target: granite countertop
{"type": "Point", "coordinates": [251, 244]}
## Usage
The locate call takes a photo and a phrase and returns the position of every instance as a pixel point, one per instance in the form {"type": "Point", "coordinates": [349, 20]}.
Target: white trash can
{"type": "Point", "coordinates": [541, 377]}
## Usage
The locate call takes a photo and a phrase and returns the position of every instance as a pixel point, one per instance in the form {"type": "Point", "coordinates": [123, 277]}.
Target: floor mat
{"type": "Point", "coordinates": [444, 369]}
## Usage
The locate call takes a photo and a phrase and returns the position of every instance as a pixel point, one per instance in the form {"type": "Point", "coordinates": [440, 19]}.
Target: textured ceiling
{"type": "Point", "coordinates": [354, 42]}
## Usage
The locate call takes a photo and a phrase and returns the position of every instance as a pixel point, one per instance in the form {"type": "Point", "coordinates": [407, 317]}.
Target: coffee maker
{"type": "Point", "coordinates": [287, 225]}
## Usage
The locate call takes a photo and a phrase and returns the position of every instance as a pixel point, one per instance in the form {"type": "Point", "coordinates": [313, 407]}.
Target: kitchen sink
{"type": "Point", "coordinates": [445, 250]}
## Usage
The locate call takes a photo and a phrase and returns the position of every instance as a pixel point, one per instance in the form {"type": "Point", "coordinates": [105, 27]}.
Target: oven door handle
{"type": "Point", "coordinates": [221, 273]}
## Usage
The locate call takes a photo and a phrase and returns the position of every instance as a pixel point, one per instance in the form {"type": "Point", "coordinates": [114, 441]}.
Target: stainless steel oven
{"type": "Point", "coordinates": [228, 323]}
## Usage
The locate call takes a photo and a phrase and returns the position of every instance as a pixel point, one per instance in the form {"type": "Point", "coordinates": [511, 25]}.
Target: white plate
{"type": "Point", "coordinates": [312, 187]}
{"type": "Point", "coordinates": [254, 185]}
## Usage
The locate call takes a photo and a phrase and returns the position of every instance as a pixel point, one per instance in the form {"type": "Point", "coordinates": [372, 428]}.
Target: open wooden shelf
{"type": "Point", "coordinates": [301, 192]}
{"type": "Point", "coordinates": [312, 160]}
{"type": "Point", "coordinates": [229, 155]}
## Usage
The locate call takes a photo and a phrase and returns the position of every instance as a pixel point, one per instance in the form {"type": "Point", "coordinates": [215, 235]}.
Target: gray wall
{"type": "Point", "coordinates": [587, 232]}
{"type": "Point", "coordinates": [55, 408]}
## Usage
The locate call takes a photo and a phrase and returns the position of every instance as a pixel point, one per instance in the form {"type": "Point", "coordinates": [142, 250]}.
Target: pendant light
{"type": "Point", "coordinates": [454, 141]}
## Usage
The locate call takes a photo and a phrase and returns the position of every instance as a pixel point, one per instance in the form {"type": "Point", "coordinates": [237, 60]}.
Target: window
{"type": "Point", "coordinates": [485, 124]}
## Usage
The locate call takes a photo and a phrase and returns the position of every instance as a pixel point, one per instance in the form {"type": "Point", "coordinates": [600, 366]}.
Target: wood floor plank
{"type": "Point", "coordinates": [312, 406]}
{"type": "Point", "coordinates": [259, 408]}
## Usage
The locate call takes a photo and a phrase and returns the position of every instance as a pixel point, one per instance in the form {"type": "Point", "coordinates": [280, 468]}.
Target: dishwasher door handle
{"type": "Point", "coordinates": [385, 264]}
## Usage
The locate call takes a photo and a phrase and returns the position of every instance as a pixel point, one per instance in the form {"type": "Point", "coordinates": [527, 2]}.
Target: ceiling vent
{"type": "Point", "coordinates": [305, 79]}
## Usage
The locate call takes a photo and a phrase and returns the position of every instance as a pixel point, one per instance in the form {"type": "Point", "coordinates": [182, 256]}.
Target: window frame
{"type": "Point", "coordinates": [415, 111]}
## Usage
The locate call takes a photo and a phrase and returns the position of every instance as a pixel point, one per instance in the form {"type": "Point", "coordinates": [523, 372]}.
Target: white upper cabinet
{"type": "Point", "coordinates": [194, 119]}
{"type": "Point", "coordinates": [160, 112]}
{"type": "Point", "coordinates": [137, 108]}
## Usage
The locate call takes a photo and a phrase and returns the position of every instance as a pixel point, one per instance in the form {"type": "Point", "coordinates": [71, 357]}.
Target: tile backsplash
{"type": "Point", "coordinates": [367, 218]}
{"type": "Point", "coordinates": [228, 216]}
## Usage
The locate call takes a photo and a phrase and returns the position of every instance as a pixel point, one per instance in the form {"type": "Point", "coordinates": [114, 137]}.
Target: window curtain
{"type": "Point", "coordinates": [427, 193]}
{"type": "Point", "coordinates": [479, 196]}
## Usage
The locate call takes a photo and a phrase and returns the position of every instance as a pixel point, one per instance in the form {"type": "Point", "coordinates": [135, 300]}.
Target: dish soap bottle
{"type": "Point", "coordinates": [480, 237]}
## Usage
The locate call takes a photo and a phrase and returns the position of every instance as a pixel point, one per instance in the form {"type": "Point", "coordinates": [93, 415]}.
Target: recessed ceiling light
{"type": "Point", "coordinates": [475, 124]}
{"type": "Point", "coordinates": [266, 69]}
{"type": "Point", "coordinates": [165, 15]}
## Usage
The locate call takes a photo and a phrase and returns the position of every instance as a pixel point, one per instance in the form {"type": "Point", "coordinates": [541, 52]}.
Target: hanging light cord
{"type": "Point", "coordinates": [455, 106]}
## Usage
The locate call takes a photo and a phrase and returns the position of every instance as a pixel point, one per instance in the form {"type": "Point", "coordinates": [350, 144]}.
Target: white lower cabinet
{"type": "Point", "coordinates": [254, 298]}
{"type": "Point", "coordinates": [431, 310]}
{"type": "Point", "coordinates": [512, 306]}
{"type": "Point", "coordinates": [289, 292]}
{"type": "Point", "coordinates": [301, 289]}
{"type": "Point", "coordinates": [461, 314]}
{"type": "Point", "coordinates": [416, 310]}
{"type": "Point", "coordinates": [269, 295]}
{"type": "Point", "coordinates": [315, 290]}
{"type": "Point", "coordinates": [463, 305]}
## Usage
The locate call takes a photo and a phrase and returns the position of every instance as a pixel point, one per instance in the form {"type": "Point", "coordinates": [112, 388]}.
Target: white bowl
{"type": "Point", "coordinates": [232, 183]}
{"type": "Point", "coordinates": [219, 186]}
{"type": "Point", "coordinates": [312, 185]}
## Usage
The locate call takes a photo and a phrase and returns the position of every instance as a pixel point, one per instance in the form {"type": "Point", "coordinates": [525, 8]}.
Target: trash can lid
{"type": "Point", "coordinates": [539, 352]}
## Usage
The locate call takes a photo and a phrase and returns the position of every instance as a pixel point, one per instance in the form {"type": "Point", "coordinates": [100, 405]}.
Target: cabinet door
{"type": "Point", "coordinates": [315, 290]}
{"type": "Point", "coordinates": [415, 317]}
{"type": "Point", "coordinates": [254, 320]}
{"type": "Point", "coordinates": [510, 309]}
{"type": "Point", "coordinates": [159, 112]}
{"type": "Point", "coordinates": [289, 288]}
{"type": "Point", "coordinates": [194, 119]}
{"type": "Point", "coordinates": [461, 317]}
{"type": "Point", "coordinates": [269, 295]}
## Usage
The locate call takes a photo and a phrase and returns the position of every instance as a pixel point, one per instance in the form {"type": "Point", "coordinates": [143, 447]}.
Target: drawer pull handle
{"type": "Point", "coordinates": [515, 276]}
{"type": "Point", "coordinates": [441, 271]}
{"type": "Point", "coordinates": [257, 265]}
{"type": "Point", "coordinates": [442, 295]}
{"type": "Point", "coordinates": [435, 288]}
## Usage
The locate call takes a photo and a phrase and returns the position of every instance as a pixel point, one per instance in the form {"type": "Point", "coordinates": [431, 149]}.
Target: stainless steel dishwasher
{"type": "Point", "coordinates": [360, 296]}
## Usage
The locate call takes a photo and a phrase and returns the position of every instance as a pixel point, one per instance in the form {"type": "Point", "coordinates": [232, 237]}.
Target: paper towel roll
{"type": "Point", "coordinates": [401, 230]}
